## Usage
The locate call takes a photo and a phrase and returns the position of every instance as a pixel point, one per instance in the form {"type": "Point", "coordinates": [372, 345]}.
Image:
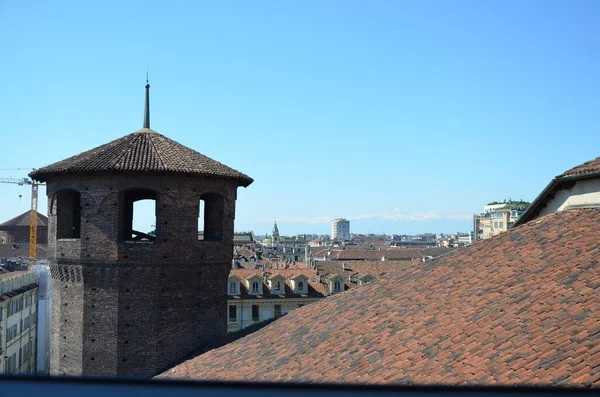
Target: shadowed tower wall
{"type": "Point", "coordinates": [125, 305]}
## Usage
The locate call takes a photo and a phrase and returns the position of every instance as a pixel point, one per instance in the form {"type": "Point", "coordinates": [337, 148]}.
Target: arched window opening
{"type": "Point", "coordinates": [138, 215]}
{"type": "Point", "coordinates": [300, 285]}
{"type": "Point", "coordinates": [255, 287]}
{"type": "Point", "coordinates": [337, 286]}
{"type": "Point", "coordinates": [233, 287]}
{"type": "Point", "coordinates": [278, 286]}
{"type": "Point", "coordinates": [210, 217]}
{"type": "Point", "coordinates": [68, 214]}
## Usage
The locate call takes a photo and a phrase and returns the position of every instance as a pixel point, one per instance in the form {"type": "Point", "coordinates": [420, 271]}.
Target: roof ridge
{"type": "Point", "coordinates": [128, 145]}
{"type": "Point", "coordinates": [158, 152]}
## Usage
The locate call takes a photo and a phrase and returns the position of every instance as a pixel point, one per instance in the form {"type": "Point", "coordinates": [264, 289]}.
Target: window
{"type": "Point", "coordinates": [255, 287]}
{"type": "Point", "coordinates": [337, 285]}
{"type": "Point", "coordinates": [232, 313]}
{"type": "Point", "coordinates": [300, 286]}
{"type": "Point", "coordinates": [233, 287]}
{"type": "Point", "coordinates": [278, 286]}
{"type": "Point", "coordinates": [137, 213]}
{"type": "Point", "coordinates": [277, 310]}
{"type": "Point", "coordinates": [210, 217]}
{"type": "Point", "coordinates": [255, 316]}
{"type": "Point", "coordinates": [1, 310]}
{"type": "Point", "coordinates": [67, 207]}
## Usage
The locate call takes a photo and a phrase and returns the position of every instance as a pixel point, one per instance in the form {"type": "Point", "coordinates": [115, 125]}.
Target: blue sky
{"type": "Point", "coordinates": [405, 116]}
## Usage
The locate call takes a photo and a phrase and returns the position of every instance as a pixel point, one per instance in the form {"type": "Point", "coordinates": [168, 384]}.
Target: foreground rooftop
{"type": "Point", "coordinates": [522, 308]}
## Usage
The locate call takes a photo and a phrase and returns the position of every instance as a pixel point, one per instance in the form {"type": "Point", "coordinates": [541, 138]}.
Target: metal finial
{"type": "Point", "coordinates": [147, 105]}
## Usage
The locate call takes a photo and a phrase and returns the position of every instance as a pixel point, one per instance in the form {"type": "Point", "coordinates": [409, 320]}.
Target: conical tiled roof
{"type": "Point", "coordinates": [23, 220]}
{"type": "Point", "coordinates": [142, 151]}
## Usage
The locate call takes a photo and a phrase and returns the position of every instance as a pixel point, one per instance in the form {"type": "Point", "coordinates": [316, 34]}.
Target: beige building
{"type": "Point", "coordinates": [497, 219]}
{"type": "Point", "coordinates": [18, 322]}
{"type": "Point", "coordinates": [255, 295]}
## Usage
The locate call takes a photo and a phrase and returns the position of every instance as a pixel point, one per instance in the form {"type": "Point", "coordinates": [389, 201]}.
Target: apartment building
{"type": "Point", "coordinates": [497, 218]}
{"type": "Point", "coordinates": [18, 322]}
{"type": "Point", "coordinates": [256, 295]}
{"type": "Point", "coordinates": [340, 229]}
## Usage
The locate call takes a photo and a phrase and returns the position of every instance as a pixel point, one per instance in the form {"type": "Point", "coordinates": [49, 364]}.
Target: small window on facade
{"type": "Point", "coordinates": [210, 217]}
{"type": "Point", "coordinates": [255, 287]}
{"type": "Point", "coordinates": [337, 285]}
{"type": "Point", "coordinates": [277, 310]}
{"type": "Point", "coordinates": [300, 285]}
{"type": "Point", "coordinates": [233, 287]}
{"type": "Point", "coordinates": [68, 214]}
{"type": "Point", "coordinates": [232, 313]}
{"type": "Point", "coordinates": [278, 286]}
{"type": "Point", "coordinates": [255, 316]}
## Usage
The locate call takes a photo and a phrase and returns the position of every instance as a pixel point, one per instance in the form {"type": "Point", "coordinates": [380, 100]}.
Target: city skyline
{"type": "Point", "coordinates": [432, 108]}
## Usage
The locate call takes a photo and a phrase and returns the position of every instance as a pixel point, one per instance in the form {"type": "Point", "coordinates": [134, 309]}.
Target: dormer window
{"type": "Point", "coordinates": [234, 285]}
{"type": "Point", "coordinates": [278, 286]}
{"type": "Point", "coordinates": [300, 284]}
{"type": "Point", "coordinates": [337, 286]}
{"type": "Point", "coordinates": [254, 284]}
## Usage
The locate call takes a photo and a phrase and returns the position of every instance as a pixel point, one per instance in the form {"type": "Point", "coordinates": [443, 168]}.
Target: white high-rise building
{"type": "Point", "coordinates": [340, 229]}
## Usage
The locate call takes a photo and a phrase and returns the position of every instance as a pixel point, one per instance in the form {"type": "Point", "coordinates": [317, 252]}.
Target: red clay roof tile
{"type": "Point", "coordinates": [142, 151]}
{"type": "Point", "coordinates": [497, 312]}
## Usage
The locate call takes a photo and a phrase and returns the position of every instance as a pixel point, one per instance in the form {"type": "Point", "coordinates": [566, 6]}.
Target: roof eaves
{"type": "Point", "coordinates": [533, 210]}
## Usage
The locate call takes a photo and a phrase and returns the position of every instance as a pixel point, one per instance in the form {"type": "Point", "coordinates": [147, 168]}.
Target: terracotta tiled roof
{"type": "Point", "coordinates": [142, 151]}
{"type": "Point", "coordinates": [390, 253]}
{"type": "Point", "coordinates": [585, 168]}
{"type": "Point", "coordinates": [519, 308]}
{"type": "Point", "coordinates": [376, 269]}
{"type": "Point", "coordinates": [24, 218]}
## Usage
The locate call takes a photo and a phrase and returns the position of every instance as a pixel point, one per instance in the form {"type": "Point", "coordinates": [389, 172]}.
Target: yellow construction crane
{"type": "Point", "coordinates": [33, 218]}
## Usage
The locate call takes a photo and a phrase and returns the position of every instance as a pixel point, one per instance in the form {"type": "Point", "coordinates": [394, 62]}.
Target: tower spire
{"type": "Point", "coordinates": [147, 105]}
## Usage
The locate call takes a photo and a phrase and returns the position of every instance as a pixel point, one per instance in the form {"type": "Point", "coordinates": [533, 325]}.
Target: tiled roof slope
{"type": "Point", "coordinates": [142, 151]}
{"type": "Point", "coordinates": [376, 269]}
{"type": "Point", "coordinates": [520, 308]}
{"type": "Point", "coordinates": [23, 220]}
{"type": "Point", "coordinates": [22, 250]}
{"type": "Point", "coordinates": [585, 168]}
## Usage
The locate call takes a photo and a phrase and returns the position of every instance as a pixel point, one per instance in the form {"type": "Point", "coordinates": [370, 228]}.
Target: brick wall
{"type": "Point", "coordinates": [142, 306]}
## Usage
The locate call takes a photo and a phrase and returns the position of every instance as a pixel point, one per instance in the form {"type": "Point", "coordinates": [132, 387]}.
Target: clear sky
{"type": "Point", "coordinates": [404, 116]}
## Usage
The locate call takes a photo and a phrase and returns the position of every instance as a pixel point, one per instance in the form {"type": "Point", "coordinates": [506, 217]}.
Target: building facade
{"type": "Point", "coordinates": [497, 218]}
{"type": "Point", "coordinates": [18, 322]}
{"type": "Point", "coordinates": [256, 295]}
{"type": "Point", "coordinates": [340, 229]}
{"type": "Point", "coordinates": [126, 302]}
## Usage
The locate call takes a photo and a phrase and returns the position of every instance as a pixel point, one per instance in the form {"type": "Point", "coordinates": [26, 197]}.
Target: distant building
{"type": "Point", "coordinates": [497, 218]}
{"type": "Point", "coordinates": [18, 322]}
{"type": "Point", "coordinates": [16, 230]}
{"type": "Point", "coordinates": [340, 229]}
{"type": "Point", "coordinates": [254, 295]}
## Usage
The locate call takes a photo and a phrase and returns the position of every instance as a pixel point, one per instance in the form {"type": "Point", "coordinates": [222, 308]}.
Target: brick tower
{"type": "Point", "coordinates": [127, 302]}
